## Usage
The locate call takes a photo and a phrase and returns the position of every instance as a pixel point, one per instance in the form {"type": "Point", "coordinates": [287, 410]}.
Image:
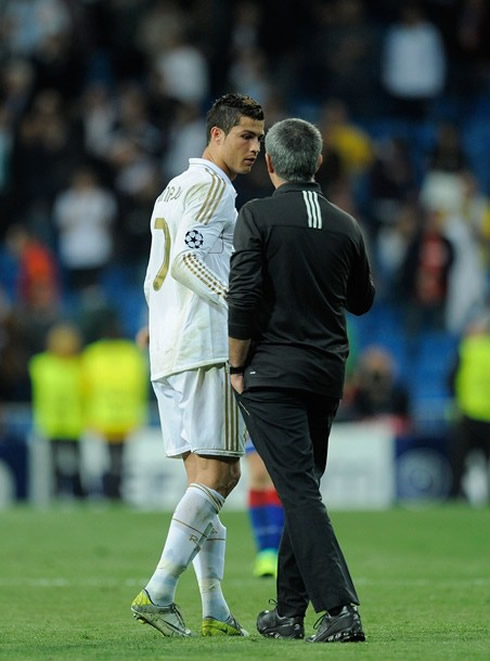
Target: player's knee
{"type": "Point", "coordinates": [231, 479]}
{"type": "Point", "coordinates": [221, 475]}
{"type": "Point", "coordinates": [234, 479]}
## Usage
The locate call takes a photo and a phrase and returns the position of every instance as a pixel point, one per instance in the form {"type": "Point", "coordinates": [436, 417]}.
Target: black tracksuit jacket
{"type": "Point", "coordinates": [299, 263]}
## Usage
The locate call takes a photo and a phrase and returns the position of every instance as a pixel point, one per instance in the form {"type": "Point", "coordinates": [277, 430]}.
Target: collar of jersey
{"type": "Point", "coordinates": [203, 162]}
{"type": "Point", "coordinates": [298, 186]}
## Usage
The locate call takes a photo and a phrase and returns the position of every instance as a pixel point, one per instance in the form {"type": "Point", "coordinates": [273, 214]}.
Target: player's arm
{"type": "Point", "coordinates": [207, 210]}
{"type": "Point", "coordinates": [142, 337]}
{"type": "Point", "coordinates": [150, 269]}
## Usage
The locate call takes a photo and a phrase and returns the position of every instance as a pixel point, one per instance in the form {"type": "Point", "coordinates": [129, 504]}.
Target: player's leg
{"type": "Point", "coordinates": [188, 530]}
{"type": "Point", "coordinates": [209, 564]}
{"type": "Point", "coordinates": [214, 463]}
{"type": "Point", "coordinates": [265, 513]}
{"type": "Point", "coordinates": [155, 604]}
{"type": "Point", "coordinates": [194, 519]}
{"type": "Point", "coordinates": [187, 413]}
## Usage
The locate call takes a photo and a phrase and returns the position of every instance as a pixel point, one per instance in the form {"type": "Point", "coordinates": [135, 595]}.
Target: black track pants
{"type": "Point", "coordinates": [290, 430]}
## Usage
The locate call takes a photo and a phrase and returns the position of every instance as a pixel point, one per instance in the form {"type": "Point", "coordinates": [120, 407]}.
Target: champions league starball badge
{"type": "Point", "coordinates": [194, 239]}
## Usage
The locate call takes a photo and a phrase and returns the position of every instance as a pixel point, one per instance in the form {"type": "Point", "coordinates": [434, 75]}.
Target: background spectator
{"type": "Point", "coordinates": [470, 384]}
{"type": "Point", "coordinates": [84, 214]}
{"type": "Point", "coordinates": [414, 63]}
{"type": "Point", "coordinates": [425, 276]}
{"type": "Point", "coordinates": [442, 183]}
{"type": "Point", "coordinates": [115, 385]}
{"type": "Point", "coordinates": [392, 180]}
{"type": "Point", "coordinates": [392, 244]}
{"type": "Point", "coordinates": [37, 270]}
{"type": "Point", "coordinates": [375, 391]}
{"type": "Point", "coordinates": [38, 287]}
{"type": "Point", "coordinates": [57, 404]}
{"type": "Point", "coordinates": [14, 356]}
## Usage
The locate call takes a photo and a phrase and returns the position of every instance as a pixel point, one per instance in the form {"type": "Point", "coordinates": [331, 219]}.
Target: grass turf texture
{"type": "Point", "coordinates": [68, 575]}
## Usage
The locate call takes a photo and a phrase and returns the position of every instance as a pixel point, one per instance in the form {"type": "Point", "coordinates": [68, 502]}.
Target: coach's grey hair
{"type": "Point", "coordinates": [294, 146]}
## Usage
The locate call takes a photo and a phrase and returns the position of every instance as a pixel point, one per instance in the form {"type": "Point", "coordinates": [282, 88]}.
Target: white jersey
{"type": "Point", "coordinates": [187, 275]}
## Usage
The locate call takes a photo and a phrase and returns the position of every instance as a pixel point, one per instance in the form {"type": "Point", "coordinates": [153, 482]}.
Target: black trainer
{"type": "Point", "coordinates": [272, 625]}
{"type": "Point", "coordinates": [345, 627]}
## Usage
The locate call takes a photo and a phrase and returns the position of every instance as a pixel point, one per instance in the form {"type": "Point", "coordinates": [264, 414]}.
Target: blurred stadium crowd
{"type": "Point", "coordinates": [103, 101]}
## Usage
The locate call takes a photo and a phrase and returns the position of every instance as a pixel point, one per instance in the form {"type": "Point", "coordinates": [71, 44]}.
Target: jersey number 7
{"type": "Point", "coordinates": [161, 224]}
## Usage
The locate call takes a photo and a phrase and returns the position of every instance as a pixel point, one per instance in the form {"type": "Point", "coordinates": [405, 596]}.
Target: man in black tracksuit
{"type": "Point", "coordinates": [299, 263]}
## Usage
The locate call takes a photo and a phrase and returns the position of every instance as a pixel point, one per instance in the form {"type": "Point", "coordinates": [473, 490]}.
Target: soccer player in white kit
{"type": "Point", "coordinates": [185, 287]}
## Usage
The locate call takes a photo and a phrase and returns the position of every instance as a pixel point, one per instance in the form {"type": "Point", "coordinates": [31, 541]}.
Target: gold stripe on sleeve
{"type": "Point", "coordinates": [204, 275]}
{"type": "Point", "coordinates": [205, 204]}
{"type": "Point", "coordinates": [212, 200]}
{"type": "Point", "coordinates": [214, 205]}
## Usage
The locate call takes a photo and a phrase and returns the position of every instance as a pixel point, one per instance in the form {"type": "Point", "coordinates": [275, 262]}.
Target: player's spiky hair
{"type": "Point", "coordinates": [225, 113]}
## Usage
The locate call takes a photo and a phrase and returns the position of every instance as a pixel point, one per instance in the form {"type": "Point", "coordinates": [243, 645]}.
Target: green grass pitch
{"type": "Point", "coordinates": [68, 575]}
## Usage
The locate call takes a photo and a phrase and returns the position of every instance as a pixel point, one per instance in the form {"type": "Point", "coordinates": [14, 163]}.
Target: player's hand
{"type": "Point", "coordinates": [237, 382]}
{"type": "Point", "coordinates": [143, 337]}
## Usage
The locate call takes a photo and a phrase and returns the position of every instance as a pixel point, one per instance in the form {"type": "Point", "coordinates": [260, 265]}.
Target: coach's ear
{"type": "Point", "coordinates": [269, 164]}
{"type": "Point", "coordinates": [319, 162]}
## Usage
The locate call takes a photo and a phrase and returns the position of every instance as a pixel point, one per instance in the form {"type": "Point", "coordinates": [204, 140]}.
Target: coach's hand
{"type": "Point", "coordinates": [237, 382]}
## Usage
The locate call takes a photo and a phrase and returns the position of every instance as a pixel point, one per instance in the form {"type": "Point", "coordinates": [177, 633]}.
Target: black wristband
{"type": "Point", "coordinates": [237, 370]}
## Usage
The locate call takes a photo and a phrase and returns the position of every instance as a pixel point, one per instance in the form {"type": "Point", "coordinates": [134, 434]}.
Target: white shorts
{"type": "Point", "coordinates": [199, 414]}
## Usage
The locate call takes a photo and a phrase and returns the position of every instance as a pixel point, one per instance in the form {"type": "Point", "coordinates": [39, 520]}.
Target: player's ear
{"type": "Point", "coordinates": [319, 162]}
{"type": "Point", "coordinates": [217, 135]}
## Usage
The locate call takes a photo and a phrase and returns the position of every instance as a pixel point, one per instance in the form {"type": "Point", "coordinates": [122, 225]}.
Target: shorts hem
{"type": "Point", "coordinates": [206, 452]}
{"type": "Point", "coordinates": [218, 453]}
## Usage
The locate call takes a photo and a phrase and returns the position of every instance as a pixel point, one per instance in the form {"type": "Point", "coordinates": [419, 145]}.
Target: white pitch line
{"type": "Point", "coordinates": [422, 582]}
{"type": "Point", "coordinates": [61, 582]}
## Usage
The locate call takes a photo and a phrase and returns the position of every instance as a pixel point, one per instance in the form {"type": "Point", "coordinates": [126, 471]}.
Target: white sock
{"type": "Point", "coordinates": [209, 566]}
{"type": "Point", "coordinates": [190, 525]}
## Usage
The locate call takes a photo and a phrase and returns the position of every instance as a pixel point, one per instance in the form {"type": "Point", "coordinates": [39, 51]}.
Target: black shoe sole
{"type": "Point", "coordinates": [277, 634]}
{"type": "Point", "coordinates": [340, 637]}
